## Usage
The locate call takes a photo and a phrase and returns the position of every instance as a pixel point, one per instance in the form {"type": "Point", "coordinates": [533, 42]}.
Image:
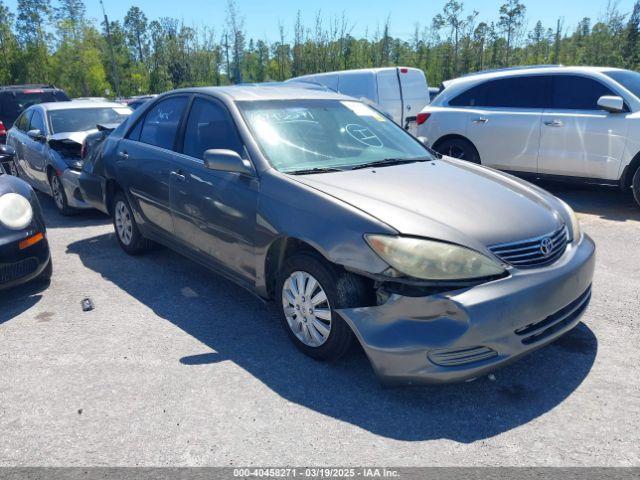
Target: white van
{"type": "Point", "coordinates": [401, 92]}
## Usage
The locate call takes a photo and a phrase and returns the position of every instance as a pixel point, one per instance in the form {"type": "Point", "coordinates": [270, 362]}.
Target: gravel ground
{"type": "Point", "coordinates": [177, 366]}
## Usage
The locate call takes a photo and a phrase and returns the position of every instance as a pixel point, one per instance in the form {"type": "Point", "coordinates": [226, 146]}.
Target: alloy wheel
{"type": "Point", "coordinates": [124, 222]}
{"type": "Point", "coordinates": [306, 308]}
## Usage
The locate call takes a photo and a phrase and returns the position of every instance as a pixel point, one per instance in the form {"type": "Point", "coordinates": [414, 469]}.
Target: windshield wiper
{"type": "Point", "coordinates": [309, 171]}
{"type": "Point", "coordinates": [387, 162]}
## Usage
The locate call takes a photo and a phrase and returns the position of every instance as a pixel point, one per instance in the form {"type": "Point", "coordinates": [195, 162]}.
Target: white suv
{"type": "Point", "coordinates": [557, 122]}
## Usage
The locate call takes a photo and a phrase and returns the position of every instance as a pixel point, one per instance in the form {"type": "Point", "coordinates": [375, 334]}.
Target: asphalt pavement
{"type": "Point", "coordinates": [177, 366]}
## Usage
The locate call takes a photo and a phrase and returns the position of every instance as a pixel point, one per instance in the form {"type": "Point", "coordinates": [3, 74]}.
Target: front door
{"type": "Point", "coordinates": [146, 156]}
{"type": "Point", "coordinates": [214, 212]}
{"type": "Point", "coordinates": [578, 139]}
{"type": "Point", "coordinates": [35, 152]}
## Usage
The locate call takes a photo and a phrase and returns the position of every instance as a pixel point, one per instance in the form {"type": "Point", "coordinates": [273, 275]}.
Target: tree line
{"type": "Point", "coordinates": [54, 41]}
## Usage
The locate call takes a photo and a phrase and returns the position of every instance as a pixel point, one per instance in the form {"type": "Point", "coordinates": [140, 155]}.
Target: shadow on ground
{"type": "Point", "coordinates": [82, 218]}
{"type": "Point", "coordinates": [236, 326]}
{"type": "Point", "coordinates": [609, 203]}
{"type": "Point", "coordinates": [17, 300]}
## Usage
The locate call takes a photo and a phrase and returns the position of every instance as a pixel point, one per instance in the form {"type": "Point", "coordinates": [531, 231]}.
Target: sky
{"type": "Point", "coordinates": [262, 16]}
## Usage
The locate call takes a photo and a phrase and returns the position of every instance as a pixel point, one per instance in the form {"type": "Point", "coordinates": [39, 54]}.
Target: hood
{"type": "Point", "coordinates": [445, 199]}
{"type": "Point", "coordinates": [70, 137]}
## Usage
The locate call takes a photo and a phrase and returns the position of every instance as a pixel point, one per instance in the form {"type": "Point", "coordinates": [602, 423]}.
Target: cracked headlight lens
{"type": "Point", "coordinates": [433, 260]}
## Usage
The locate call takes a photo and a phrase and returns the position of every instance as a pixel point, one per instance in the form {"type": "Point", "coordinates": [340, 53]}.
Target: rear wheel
{"type": "Point", "coordinates": [59, 195]}
{"type": "Point", "coordinates": [458, 148]}
{"type": "Point", "coordinates": [127, 231]}
{"type": "Point", "coordinates": [635, 186]}
{"type": "Point", "coordinates": [310, 291]}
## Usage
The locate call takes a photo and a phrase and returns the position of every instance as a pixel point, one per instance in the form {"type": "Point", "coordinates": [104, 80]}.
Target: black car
{"type": "Point", "coordinates": [24, 250]}
{"type": "Point", "coordinates": [14, 99]}
{"type": "Point", "coordinates": [92, 179]}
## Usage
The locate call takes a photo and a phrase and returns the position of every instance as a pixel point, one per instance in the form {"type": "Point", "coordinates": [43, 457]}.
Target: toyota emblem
{"type": "Point", "coordinates": [546, 246]}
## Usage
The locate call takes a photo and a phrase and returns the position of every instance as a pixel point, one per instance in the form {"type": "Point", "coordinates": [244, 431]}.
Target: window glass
{"type": "Point", "coordinates": [514, 92]}
{"type": "Point", "coordinates": [209, 126]}
{"type": "Point", "coordinates": [572, 92]}
{"type": "Point", "coordinates": [37, 122]}
{"type": "Point", "coordinates": [470, 98]}
{"type": "Point", "coordinates": [23, 122]}
{"type": "Point", "coordinates": [306, 134]}
{"type": "Point", "coordinates": [161, 123]}
{"type": "Point", "coordinates": [628, 79]}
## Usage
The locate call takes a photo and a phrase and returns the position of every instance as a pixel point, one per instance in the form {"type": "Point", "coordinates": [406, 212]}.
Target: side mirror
{"type": "Point", "coordinates": [7, 152]}
{"type": "Point", "coordinates": [611, 104]}
{"type": "Point", "coordinates": [36, 135]}
{"type": "Point", "coordinates": [226, 161]}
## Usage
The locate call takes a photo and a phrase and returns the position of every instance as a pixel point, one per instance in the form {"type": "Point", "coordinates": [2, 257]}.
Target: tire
{"type": "Point", "coordinates": [59, 196]}
{"type": "Point", "coordinates": [127, 231]}
{"type": "Point", "coordinates": [298, 312]}
{"type": "Point", "coordinates": [459, 148]}
{"type": "Point", "coordinates": [635, 186]}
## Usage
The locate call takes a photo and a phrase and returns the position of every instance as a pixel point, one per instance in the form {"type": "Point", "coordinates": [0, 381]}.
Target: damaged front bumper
{"type": "Point", "coordinates": [467, 333]}
{"type": "Point", "coordinates": [71, 184]}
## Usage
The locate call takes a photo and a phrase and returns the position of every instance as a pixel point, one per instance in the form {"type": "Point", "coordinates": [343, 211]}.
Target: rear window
{"type": "Point", "coordinates": [81, 119]}
{"type": "Point", "coordinates": [515, 92]}
{"type": "Point", "coordinates": [14, 102]}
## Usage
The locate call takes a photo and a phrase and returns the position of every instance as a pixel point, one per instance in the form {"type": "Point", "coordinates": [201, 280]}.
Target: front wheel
{"type": "Point", "coordinates": [310, 291]}
{"type": "Point", "coordinates": [127, 231]}
{"type": "Point", "coordinates": [59, 195]}
{"type": "Point", "coordinates": [458, 148]}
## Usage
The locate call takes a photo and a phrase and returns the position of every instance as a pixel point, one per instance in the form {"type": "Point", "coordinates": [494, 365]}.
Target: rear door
{"type": "Point", "coordinates": [578, 138]}
{"type": "Point", "coordinates": [214, 211]}
{"type": "Point", "coordinates": [146, 157]}
{"type": "Point", "coordinates": [16, 138]}
{"type": "Point", "coordinates": [504, 118]}
{"type": "Point", "coordinates": [415, 95]}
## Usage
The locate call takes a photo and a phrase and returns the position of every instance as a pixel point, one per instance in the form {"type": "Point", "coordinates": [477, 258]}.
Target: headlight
{"type": "Point", "coordinates": [15, 211]}
{"type": "Point", "coordinates": [576, 230]}
{"type": "Point", "coordinates": [431, 260]}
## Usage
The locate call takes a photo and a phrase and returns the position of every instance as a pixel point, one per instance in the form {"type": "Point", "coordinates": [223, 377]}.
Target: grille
{"type": "Point", "coordinates": [535, 332]}
{"type": "Point", "coordinates": [13, 271]}
{"type": "Point", "coordinates": [534, 252]}
{"type": "Point", "coordinates": [452, 358]}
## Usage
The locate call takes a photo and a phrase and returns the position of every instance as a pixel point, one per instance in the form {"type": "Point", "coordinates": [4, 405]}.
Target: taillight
{"type": "Point", "coordinates": [3, 129]}
{"type": "Point", "coordinates": [422, 117]}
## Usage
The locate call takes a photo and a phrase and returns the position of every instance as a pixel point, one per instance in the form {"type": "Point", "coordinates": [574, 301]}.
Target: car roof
{"type": "Point", "coordinates": [78, 104]}
{"type": "Point", "coordinates": [276, 92]}
{"type": "Point", "coordinates": [519, 71]}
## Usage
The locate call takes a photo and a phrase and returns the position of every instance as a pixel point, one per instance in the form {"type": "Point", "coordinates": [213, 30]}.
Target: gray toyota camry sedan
{"type": "Point", "coordinates": [442, 270]}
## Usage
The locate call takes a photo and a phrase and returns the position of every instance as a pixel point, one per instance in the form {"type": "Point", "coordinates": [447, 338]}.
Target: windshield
{"type": "Point", "coordinates": [298, 135]}
{"type": "Point", "coordinates": [81, 119]}
{"type": "Point", "coordinates": [628, 79]}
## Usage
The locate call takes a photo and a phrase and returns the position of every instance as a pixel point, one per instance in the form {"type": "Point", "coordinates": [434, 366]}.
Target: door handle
{"type": "Point", "coordinates": [178, 175]}
{"type": "Point", "coordinates": [123, 155]}
{"type": "Point", "coordinates": [554, 123]}
{"type": "Point", "coordinates": [480, 120]}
